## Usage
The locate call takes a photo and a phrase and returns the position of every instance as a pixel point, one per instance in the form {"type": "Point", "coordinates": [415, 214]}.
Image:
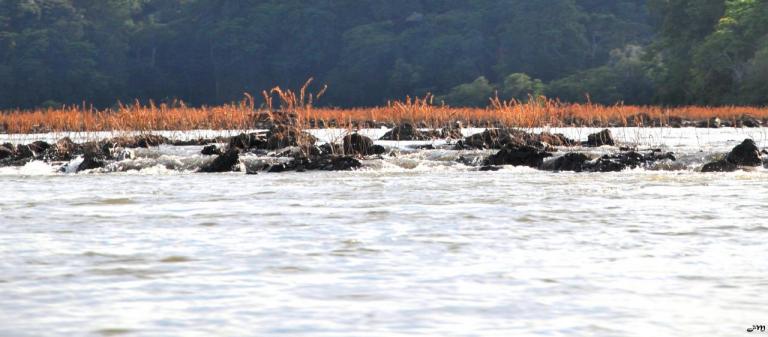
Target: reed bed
{"type": "Point", "coordinates": [246, 114]}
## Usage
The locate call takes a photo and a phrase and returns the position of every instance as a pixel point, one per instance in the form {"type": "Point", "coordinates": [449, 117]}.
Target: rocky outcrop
{"type": "Point", "coordinates": [574, 162]}
{"type": "Point", "coordinates": [143, 141]}
{"type": "Point", "coordinates": [518, 155]}
{"type": "Point", "coordinates": [616, 162]}
{"type": "Point", "coordinates": [748, 121]}
{"type": "Point", "coordinates": [225, 162]}
{"type": "Point", "coordinates": [93, 157]}
{"type": "Point", "coordinates": [601, 138]}
{"type": "Point", "coordinates": [498, 138]}
{"type": "Point", "coordinates": [210, 150]}
{"type": "Point", "coordinates": [6, 151]}
{"type": "Point", "coordinates": [745, 154]}
{"type": "Point", "coordinates": [278, 137]}
{"type": "Point", "coordinates": [64, 150]}
{"type": "Point", "coordinates": [356, 144]}
{"type": "Point", "coordinates": [626, 160]}
{"type": "Point", "coordinates": [405, 131]}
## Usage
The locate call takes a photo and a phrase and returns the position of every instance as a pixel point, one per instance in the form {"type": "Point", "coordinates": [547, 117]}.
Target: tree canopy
{"type": "Point", "coordinates": [100, 52]}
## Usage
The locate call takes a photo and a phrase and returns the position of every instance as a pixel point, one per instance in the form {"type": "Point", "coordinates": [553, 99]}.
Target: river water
{"type": "Point", "coordinates": [416, 245]}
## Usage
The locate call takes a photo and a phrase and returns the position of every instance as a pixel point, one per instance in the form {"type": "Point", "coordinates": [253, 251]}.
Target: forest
{"type": "Point", "coordinates": [207, 52]}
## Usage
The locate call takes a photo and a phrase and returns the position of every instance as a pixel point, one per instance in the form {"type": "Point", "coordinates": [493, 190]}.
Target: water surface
{"type": "Point", "coordinates": [416, 245]}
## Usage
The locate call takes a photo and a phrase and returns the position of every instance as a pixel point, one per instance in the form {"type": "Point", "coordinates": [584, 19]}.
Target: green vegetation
{"type": "Point", "coordinates": [670, 52]}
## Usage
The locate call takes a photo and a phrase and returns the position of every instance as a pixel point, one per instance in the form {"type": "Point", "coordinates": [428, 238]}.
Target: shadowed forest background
{"type": "Point", "coordinates": [669, 52]}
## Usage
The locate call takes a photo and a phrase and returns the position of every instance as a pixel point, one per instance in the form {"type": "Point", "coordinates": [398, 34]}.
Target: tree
{"type": "Point", "coordinates": [521, 86]}
{"type": "Point", "coordinates": [473, 94]}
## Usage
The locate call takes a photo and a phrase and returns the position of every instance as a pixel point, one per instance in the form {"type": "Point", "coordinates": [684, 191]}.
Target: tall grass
{"type": "Point", "coordinates": [298, 109]}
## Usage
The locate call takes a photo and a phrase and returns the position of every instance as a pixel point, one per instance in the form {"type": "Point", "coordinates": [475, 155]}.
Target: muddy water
{"type": "Point", "coordinates": [412, 246]}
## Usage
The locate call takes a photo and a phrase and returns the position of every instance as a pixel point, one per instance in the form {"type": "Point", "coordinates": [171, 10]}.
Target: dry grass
{"type": "Point", "coordinates": [298, 106]}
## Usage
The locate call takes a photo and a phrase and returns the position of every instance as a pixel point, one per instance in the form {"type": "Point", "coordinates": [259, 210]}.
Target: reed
{"type": "Point", "coordinates": [297, 107]}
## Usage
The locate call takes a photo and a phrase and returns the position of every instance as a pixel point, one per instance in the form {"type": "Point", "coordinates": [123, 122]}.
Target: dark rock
{"type": "Point", "coordinates": [23, 151]}
{"type": "Point", "coordinates": [493, 139]}
{"type": "Point", "coordinates": [331, 163]}
{"type": "Point", "coordinates": [489, 168]}
{"type": "Point", "coordinates": [225, 162]}
{"type": "Point", "coordinates": [93, 158]}
{"type": "Point", "coordinates": [626, 160]}
{"type": "Point", "coordinates": [145, 141]}
{"type": "Point", "coordinates": [719, 166]}
{"type": "Point", "coordinates": [330, 148]}
{"type": "Point", "coordinates": [246, 141]}
{"type": "Point", "coordinates": [64, 150]}
{"type": "Point", "coordinates": [451, 133]}
{"type": "Point", "coordinates": [518, 155]}
{"type": "Point", "coordinates": [376, 150]}
{"type": "Point", "coordinates": [199, 141]}
{"type": "Point", "coordinates": [356, 144]}
{"type": "Point", "coordinates": [745, 154]}
{"type": "Point", "coordinates": [277, 168]}
{"type": "Point", "coordinates": [570, 162]}
{"type": "Point", "coordinates": [748, 121]}
{"type": "Point", "coordinates": [211, 150]}
{"type": "Point", "coordinates": [39, 148]}
{"type": "Point", "coordinates": [675, 122]}
{"type": "Point", "coordinates": [557, 139]}
{"type": "Point", "coordinates": [423, 147]}
{"type": "Point", "coordinates": [600, 139]}
{"type": "Point", "coordinates": [343, 164]}
{"type": "Point", "coordinates": [498, 138]}
{"type": "Point", "coordinates": [404, 131]}
{"type": "Point", "coordinates": [281, 136]}
{"type": "Point", "coordinates": [6, 151]}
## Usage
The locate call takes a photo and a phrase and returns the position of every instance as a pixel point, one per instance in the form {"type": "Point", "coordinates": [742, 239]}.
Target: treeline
{"type": "Point", "coordinates": [55, 52]}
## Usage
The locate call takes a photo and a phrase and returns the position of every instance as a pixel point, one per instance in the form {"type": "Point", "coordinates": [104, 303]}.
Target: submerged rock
{"type": "Point", "coordinates": [518, 155]}
{"type": "Point", "coordinates": [719, 166]}
{"type": "Point", "coordinates": [600, 139]}
{"type": "Point", "coordinates": [336, 163]}
{"type": "Point", "coordinates": [225, 162]}
{"type": "Point", "coordinates": [745, 154]}
{"type": "Point", "coordinates": [489, 168]}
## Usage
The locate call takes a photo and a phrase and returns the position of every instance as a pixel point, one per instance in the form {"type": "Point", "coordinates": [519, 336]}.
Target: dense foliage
{"type": "Point", "coordinates": [212, 51]}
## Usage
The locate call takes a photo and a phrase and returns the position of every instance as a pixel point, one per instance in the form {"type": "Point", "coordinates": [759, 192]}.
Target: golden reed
{"type": "Point", "coordinates": [537, 112]}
